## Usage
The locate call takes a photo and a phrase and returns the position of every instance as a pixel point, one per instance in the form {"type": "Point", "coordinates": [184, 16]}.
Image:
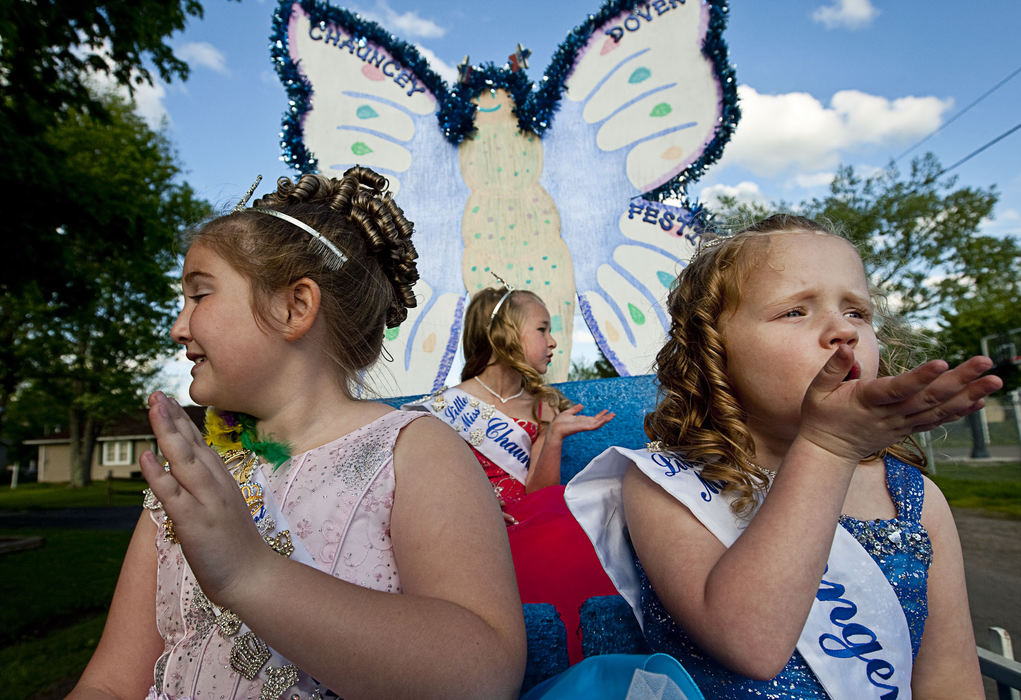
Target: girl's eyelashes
{"type": "Point", "coordinates": [793, 313]}
{"type": "Point", "coordinates": [197, 297]}
{"type": "Point", "coordinates": [863, 314]}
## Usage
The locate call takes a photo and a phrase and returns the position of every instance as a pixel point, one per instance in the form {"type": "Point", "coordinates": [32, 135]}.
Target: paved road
{"type": "Point", "coordinates": [114, 518]}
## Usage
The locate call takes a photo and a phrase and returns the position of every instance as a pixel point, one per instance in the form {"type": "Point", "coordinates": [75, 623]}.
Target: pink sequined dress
{"type": "Point", "coordinates": [336, 500]}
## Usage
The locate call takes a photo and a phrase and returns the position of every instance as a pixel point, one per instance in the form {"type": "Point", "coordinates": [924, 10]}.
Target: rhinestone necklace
{"type": "Point", "coordinates": [502, 399]}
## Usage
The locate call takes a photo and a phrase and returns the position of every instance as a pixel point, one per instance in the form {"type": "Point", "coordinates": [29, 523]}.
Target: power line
{"type": "Point", "coordinates": [974, 153]}
{"type": "Point", "coordinates": [984, 95]}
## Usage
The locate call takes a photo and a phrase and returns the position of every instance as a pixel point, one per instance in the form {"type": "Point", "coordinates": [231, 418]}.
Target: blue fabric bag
{"type": "Point", "coordinates": [612, 676]}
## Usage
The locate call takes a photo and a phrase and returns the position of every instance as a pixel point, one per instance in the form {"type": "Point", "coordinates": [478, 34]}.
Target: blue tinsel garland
{"type": "Point", "coordinates": [534, 106]}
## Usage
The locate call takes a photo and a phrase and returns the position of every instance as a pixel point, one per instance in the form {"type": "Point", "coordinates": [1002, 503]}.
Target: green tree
{"type": "Point", "coordinates": [599, 369]}
{"type": "Point", "coordinates": [48, 53]}
{"type": "Point", "coordinates": [95, 342]}
{"type": "Point", "coordinates": [917, 234]}
{"type": "Point", "coordinates": [991, 307]}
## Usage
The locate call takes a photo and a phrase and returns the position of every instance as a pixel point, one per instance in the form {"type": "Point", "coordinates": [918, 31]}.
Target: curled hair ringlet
{"type": "Point", "coordinates": [498, 339]}
{"type": "Point", "coordinates": [371, 291]}
{"type": "Point", "coordinates": [698, 414]}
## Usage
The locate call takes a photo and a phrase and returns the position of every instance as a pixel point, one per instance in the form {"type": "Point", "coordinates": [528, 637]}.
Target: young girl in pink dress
{"type": "Point", "coordinates": [341, 549]}
{"type": "Point", "coordinates": [785, 543]}
{"type": "Point", "coordinates": [516, 425]}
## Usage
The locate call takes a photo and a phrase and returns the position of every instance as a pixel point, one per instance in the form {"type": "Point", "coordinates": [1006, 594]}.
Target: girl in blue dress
{"type": "Point", "coordinates": [778, 537]}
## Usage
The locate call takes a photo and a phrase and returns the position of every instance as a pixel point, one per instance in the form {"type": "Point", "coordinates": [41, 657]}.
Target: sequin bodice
{"type": "Point", "coordinates": [507, 488]}
{"type": "Point", "coordinates": [336, 500]}
{"type": "Point", "coordinates": [901, 548]}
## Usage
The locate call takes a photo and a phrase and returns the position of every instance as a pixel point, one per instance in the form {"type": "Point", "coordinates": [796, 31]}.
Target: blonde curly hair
{"type": "Point", "coordinates": [371, 291]}
{"type": "Point", "coordinates": [698, 414]}
{"type": "Point", "coordinates": [497, 338]}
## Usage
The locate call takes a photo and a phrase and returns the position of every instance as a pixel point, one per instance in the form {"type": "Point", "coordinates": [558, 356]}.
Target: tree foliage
{"type": "Point", "coordinates": [88, 198]}
{"type": "Point", "coordinates": [92, 341]}
{"type": "Point", "coordinates": [917, 234]}
{"type": "Point", "coordinates": [49, 52]}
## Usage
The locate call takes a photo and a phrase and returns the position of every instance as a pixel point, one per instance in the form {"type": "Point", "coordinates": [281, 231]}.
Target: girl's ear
{"type": "Point", "coordinates": [302, 299]}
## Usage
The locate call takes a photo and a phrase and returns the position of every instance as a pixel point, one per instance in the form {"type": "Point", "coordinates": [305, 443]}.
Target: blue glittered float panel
{"type": "Point", "coordinates": [629, 397]}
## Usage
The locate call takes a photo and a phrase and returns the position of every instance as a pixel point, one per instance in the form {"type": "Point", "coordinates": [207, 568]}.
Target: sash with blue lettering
{"type": "Point", "coordinates": [856, 638]}
{"type": "Point", "coordinates": [483, 427]}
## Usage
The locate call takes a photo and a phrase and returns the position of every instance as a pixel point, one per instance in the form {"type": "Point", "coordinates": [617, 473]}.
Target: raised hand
{"type": "Point", "coordinates": [855, 418]}
{"type": "Point", "coordinates": [569, 421]}
{"type": "Point", "coordinates": [211, 519]}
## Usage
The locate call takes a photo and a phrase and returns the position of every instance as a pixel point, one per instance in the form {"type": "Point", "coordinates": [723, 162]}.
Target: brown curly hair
{"type": "Point", "coordinates": [370, 291]}
{"type": "Point", "coordinates": [698, 414]}
{"type": "Point", "coordinates": [499, 339]}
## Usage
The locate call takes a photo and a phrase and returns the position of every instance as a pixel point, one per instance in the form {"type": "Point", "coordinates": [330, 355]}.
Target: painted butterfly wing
{"type": "Point", "coordinates": [648, 103]}
{"type": "Point", "coordinates": [360, 97]}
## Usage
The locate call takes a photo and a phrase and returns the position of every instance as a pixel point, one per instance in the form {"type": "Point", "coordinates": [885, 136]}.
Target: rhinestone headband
{"type": "Point", "coordinates": [334, 258]}
{"type": "Point", "coordinates": [496, 309]}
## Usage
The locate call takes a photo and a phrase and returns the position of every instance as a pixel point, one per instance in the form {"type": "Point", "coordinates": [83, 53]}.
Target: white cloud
{"type": "Point", "coordinates": [795, 130]}
{"type": "Point", "coordinates": [201, 53]}
{"type": "Point", "coordinates": [404, 24]}
{"type": "Point", "coordinates": [148, 99]}
{"type": "Point", "coordinates": [846, 14]}
{"type": "Point", "coordinates": [744, 192]}
{"type": "Point", "coordinates": [810, 180]}
{"type": "Point", "coordinates": [445, 70]}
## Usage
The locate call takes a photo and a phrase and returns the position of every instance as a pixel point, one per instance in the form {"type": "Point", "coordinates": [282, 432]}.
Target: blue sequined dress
{"type": "Point", "coordinates": [901, 548]}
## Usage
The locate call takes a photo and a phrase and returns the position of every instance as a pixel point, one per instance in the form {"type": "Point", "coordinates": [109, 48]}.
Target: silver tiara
{"type": "Point", "coordinates": [496, 309]}
{"type": "Point", "coordinates": [332, 255]}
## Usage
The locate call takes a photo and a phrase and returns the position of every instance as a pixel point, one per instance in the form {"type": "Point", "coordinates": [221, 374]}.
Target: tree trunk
{"type": "Point", "coordinates": [84, 430]}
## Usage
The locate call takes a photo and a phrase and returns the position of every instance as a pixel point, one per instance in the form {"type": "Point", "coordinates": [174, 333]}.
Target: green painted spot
{"type": "Point", "coordinates": [485, 269]}
{"type": "Point", "coordinates": [510, 266]}
{"type": "Point", "coordinates": [530, 268]}
{"type": "Point", "coordinates": [511, 227]}
{"type": "Point", "coordinates": [553, 267]}
{"type": "Point", "coordinates": [475, 210]}
{"type": "Point", "coordinates": [547, 221]}
{"type": "Point", "coordinates": [515, 173]}
{"type": "Point", "coordinates": [524, 242]}
{"type": "Point", "coordinates": [391, 333]}
{"type": "Point", "coordinates": [556, 324]}
{"type": "Point", "coordinates": [545, 257]}
{"type": "Point", "coordinates": [528, 281]}
{"type": "Point", "coordinates": [636, 315]}
{"type": "Point", "coordinates": [639, 75]}
{"type": "Point", "coordinates": [474, 268]}
{"type": "Point", "coordinates": [360, 149]}
{"type": "Point", "coordinates": [499, 170]}
{"type": "Point", "coordinates": [660, 110]}
{"type": "Point", "coordinates": [547, 283]}
{"type": "Point", "coordinates": [366, 112]}
{"type": "Point", "coordinates": [665, 278]}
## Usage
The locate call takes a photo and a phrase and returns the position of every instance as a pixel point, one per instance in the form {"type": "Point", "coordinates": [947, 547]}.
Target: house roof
{"type": "Point", "coordinates": [133, 425]}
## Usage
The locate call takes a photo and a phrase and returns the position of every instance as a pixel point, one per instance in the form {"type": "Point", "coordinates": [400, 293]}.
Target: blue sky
{"type": "Point", "coordinates": [821, 82]}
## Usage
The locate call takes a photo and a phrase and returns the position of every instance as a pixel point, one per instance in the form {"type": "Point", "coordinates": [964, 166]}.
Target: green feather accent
{"type": "Point", "coordinates": [276, 453]}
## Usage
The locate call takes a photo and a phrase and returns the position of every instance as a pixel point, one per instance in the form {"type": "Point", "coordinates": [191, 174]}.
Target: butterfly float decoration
{"type": "Point", "coordinates": [557, 187]}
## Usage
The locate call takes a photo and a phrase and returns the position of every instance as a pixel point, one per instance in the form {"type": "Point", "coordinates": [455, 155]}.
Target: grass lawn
{"type": "Point", "coordinates": [55, 597]}
{"type": "Point", "coordinates": [32, 496]}
{"type": "Point", "coordinates": [992, 487]}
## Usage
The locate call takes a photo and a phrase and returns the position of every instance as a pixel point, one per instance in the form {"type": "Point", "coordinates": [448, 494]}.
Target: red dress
{"type": "Point", "coordinates": [553, 558]}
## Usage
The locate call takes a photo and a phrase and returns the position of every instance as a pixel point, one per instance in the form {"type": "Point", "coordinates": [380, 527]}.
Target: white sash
{"type": "Point", "coordinates": [483, 427]}
{"type": "Point", "coordinates": [856, 638]}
